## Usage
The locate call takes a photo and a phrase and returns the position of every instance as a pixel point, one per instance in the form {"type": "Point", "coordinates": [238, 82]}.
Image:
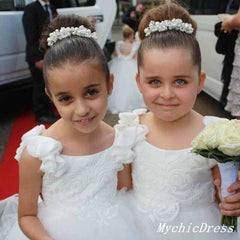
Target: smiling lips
{"type": "Point", "coordinates": [85, 121]}
{"type": "Point", "coordinates": [167, 105]}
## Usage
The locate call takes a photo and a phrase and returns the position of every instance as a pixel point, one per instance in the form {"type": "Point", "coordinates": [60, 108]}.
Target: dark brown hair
{"type": "Point", "coordinates": [72, 49]}
{"type": "Point", "coordinates": [169, 38]}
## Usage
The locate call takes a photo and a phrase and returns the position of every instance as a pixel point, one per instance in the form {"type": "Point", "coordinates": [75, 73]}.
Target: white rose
{"type": "Point", "coordinates": [229, 138]}
{"type": "Point", "coordinates": [198, 142]}
{"type": "Point", "coordinates": [210, 136]}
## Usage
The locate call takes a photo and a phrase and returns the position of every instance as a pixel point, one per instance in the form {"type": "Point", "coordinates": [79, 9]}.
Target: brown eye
{"type": "Point", "coordinates": [64, 99]}
{"type": "Point", "coordinates": [92, 92]}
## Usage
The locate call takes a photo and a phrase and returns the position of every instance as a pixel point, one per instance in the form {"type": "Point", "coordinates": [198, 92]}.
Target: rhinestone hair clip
{"type": "Point", "coordinates": [174, 24]}
{"type": "Point", "coordinates": [65, 32]}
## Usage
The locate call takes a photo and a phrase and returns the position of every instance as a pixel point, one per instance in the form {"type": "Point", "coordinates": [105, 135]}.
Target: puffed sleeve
{"type": "Point", "coordinates": [45, 149]}
{"type": "Point", "coordinates": [128, 133]}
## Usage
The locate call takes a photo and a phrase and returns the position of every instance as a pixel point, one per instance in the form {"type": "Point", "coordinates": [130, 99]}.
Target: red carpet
{"type": "Point", "coordinates": [9, 166]}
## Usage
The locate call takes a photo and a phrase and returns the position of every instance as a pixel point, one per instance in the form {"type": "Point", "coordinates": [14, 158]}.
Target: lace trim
{"type": "Point", "coordinates": [132, 52]}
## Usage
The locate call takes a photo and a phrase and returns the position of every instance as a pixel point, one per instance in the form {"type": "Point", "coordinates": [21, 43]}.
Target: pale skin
{"type": "Point", "coordinates": [170, 84]}
{"type": "Point", "coordinates": [230, 22]}
{"type": "Point", "coordinates": [80, 95]}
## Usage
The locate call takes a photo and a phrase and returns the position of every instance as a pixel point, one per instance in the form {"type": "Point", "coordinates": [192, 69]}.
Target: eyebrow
{"type": "Point", "coordinates": [87, 87]}
{"type": "Point", "coordinates": [176, 76]}
{"type": "Point", "coordinates": [92, 85]}
{"type": "Point", "coordinates": [61, 93]}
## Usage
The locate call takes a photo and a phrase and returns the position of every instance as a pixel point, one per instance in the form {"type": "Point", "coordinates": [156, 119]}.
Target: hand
{"type": "Point", "coordinates": [231, 204]}
{"type": "Point", "coordinates": [226, 23]}
{"type": "Point", "coordinates": [39, 64]}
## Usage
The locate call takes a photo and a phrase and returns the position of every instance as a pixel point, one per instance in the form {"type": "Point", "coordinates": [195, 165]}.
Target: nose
{"type": "Point", "coordinates": [167, 92]}
{"type": "Point", "coordinates": [81, 108]}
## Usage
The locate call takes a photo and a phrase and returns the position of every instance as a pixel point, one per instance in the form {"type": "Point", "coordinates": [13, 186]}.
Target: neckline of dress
{"type": "Point", "coordinates": [162, 149]}
{"type": "Point", "coordinates": [86, 155]}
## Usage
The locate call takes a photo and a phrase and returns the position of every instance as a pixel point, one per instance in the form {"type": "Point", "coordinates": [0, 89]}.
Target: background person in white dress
{"type": "Point", "coordinates": [125, 95]}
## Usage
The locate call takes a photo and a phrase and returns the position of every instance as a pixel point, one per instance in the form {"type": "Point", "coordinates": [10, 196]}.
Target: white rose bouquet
{"type": "Point", "coordinates": [221, 141]}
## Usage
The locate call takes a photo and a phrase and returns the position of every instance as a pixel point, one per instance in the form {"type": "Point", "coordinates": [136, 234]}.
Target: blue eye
{"type": "Point", "coordinates": [180, 82]}
{"type": "Point", "coordinates": [154, 82]}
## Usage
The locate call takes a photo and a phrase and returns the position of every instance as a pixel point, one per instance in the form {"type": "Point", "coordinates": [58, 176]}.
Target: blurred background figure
{"type": "Point", "coordinates": [125, 95]}
{"type": "Point", "coordinates": [109, 45]}
{"type": "Point", "coordinates": [225, 45]}
{"type": "Point", "coordinates": [91, 20]}
{"type": "Point", "coordinates": [36, 15]}
{"type": "Point", "coordinates": [133, 15]}
{"type": "Point", "coordinates": [231, 22]}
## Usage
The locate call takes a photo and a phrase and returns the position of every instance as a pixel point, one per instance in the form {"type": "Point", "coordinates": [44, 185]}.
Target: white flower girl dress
{"type": "Point", "coordinates": [125, 95]}
{"type": "Point", "coordinates": [173, 189]}
{"type": "Point", "coordinates": [80, 199]}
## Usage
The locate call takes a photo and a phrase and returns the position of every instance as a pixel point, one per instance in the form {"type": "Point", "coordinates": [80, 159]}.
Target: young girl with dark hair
{"type": "Point", "coordinates": [76, 164]}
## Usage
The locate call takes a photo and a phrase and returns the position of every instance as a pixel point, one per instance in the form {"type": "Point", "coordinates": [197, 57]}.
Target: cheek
{"type": "Point", "coordinates": [149, 93]}
{"type": "Point", "coordinates": [100, 104]}
{"type": "Point", "coordinates": [188, 96]}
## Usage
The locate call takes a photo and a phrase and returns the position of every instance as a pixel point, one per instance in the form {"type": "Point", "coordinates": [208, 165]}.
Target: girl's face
{"type": "Point", "coordinates": [169, 82]}
{"type": "Point", "coordinates": [80, 93]}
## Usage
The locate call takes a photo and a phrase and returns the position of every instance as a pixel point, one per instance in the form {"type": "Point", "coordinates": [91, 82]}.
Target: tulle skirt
{"type": "Point", "coordinates": [198, 222]}
{"type": "Point", "coordinates": [125, 95]}
{"type": "Point", "coordinates": [62, 225]}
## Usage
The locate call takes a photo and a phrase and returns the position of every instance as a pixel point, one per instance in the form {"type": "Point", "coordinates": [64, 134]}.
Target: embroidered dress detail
{"type": "Point", "coordinates": [80, 198]}
{"type": "Point", "coordinates": [171, 187]}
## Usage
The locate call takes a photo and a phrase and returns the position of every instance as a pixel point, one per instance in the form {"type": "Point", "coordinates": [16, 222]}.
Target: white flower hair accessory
{"type": "Point", "coordinates": [174, 24]}
{"type": "Point", "coordinates": [65, 32]}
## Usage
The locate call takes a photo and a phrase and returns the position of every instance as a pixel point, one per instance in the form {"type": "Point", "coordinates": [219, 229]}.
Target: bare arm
{"type": "Point", "coordinates": [125, 178]}
{"type": "Point", "coordinates": [29, 190]}
{"type": "Point", "coordinates": [231, 21]}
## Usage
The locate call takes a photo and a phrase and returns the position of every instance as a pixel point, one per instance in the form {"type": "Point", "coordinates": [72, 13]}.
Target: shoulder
{"type": "Point", "coordinates": [36, 144]}
{"type": "Point", "coordinates": [33, 5]}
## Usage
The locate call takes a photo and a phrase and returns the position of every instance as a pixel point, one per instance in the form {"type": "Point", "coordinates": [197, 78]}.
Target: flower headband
{"type": "Point", "coordinates": [174, 24]}
{"type": "Point", "coordinates": [65, 32]}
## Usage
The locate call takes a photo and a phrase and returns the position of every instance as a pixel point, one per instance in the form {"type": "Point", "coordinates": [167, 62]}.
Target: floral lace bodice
{"type": "Point", "coordinates": [167, 181]}
{"type": "Point", "coordinates": [82, 185]}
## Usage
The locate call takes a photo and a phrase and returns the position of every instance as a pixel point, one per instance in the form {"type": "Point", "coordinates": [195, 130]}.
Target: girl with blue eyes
{"type": "Point", "coordinates": [173, 188]}
{"type": "Point", "coordinates": [69, 173]}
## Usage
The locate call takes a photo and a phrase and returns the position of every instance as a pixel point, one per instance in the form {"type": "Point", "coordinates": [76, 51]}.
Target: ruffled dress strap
{"type": "Point", "coordinates": [46, 149]}
{"type": "Point", "coordinates": [128, 133]}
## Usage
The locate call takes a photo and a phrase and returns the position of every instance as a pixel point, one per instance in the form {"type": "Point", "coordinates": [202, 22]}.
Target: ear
{"type": "Point", "coordinates": [110, 84]}
{"type": "Point", "coordinates": [138, 82]}
{"type": "Point", "coordinates": [47, 93]}
{"type": "Point", "coordinates": [202, 79]}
